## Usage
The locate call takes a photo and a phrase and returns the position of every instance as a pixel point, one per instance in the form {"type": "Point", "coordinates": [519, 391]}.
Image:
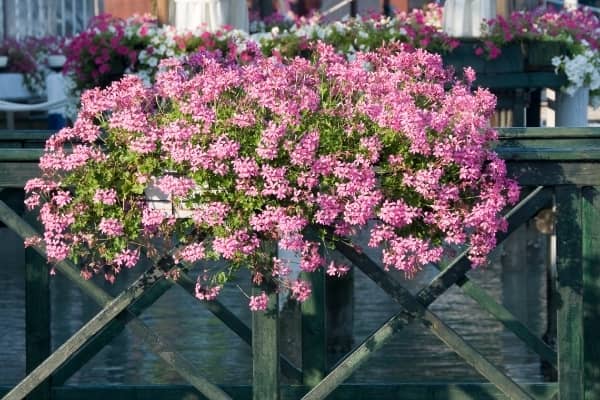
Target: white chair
{"type": "Point", "coordinates": [55, 90]}
{"type": "Point", "coordinates": [10, 108]}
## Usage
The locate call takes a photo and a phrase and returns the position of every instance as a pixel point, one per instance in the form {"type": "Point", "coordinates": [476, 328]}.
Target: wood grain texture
{"type": "Point", "coordinates": [399, 391]}
{"type": "Point", "coordinates": [570, 293]}
{"type": "Point", "coordinates": [591, 291]}
{"type": "Point", "coordinates": [37, 315]}
{"type": "Point", "coordinates": [112, 308]}
{"type": "Point", "coordinates": [314, 335]}
{"type": "Point", "coordinates": [265, 349]}
{"type": "Point", "coordinates": [265, 340]}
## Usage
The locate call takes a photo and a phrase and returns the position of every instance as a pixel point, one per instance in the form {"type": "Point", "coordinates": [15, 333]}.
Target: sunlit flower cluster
{"type": "Point", "coordinates": [390, 142]}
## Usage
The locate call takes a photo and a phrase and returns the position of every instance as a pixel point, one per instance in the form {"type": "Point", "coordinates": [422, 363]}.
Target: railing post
{"type": "Point", "coordinates": [265, 342]}
{"type": "Point", "coordinates": [37, 314]}
{"type": "Point", "coordinates": [340, 315]}
{"type": "Point", "coordinates": [314, 337]}
{"type": "Point", "coordinates": [591, 291]}
{"type": "Point", "coordinates": [570, 292]}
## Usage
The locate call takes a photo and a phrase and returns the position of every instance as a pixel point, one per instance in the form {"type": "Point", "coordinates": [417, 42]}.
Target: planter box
{"type": "Point", "coordinates": [539, 55]}
{"type": "Point", "coordinates": [511, 59]}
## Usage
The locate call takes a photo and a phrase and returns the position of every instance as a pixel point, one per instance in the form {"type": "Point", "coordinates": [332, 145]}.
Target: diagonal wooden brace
{"type": "Point", "coordinates": [112, 308]}
{"type": "Point", "coordinates": [453, 274]}
{"type": "Point", "coordinates": [411, 310]}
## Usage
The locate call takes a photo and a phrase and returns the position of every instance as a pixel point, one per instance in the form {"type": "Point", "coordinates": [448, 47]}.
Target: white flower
{"type": "Point", "coordinates": [581, 70]}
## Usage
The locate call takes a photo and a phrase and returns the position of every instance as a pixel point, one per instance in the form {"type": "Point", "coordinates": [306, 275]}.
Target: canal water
{"type": "Point", "coordinates": [513, 278]}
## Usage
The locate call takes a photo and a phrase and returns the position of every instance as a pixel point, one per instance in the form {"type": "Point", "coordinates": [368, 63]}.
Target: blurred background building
{"type": "Point", "coordinates": [19, 18]}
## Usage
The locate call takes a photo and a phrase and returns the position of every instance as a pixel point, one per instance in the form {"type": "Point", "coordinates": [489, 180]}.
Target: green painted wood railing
{"type": "Point", "coordinates": [560, 165]}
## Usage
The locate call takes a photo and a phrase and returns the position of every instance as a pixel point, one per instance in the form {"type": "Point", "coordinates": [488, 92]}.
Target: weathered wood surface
{"type": "Point", "coordinates": [533, 173]}
{"type": "Point", "coordinates": [570, 292]}
{"type": "Point", "coordinates": [509, 321]}
{"type": "Point", "coordinates": [535, 156]}
{"type": "Point", "coordinates": [37, 315]}
{"type": "Point", "coordinates": [112, 330]}
{"type": "Point", "coordinates": [404, 391]}
{"type": "Point", "coordinates": [22, 154]}
{"type": "Point", "coordinates": [75, 342]}
{"type": "Point", "coordinates": [457, 269]}
{"type": "Point", "coordinates": [522, 212]}
{"type": "Point", "coordinates": [265, 348]}
{"type": "Point", "coordinates": [314, 335]}
{"type": "Point", "coordinates": [452, 274]}
{"type": "Point", "coordinates": [112, 308]}
{"type": "Point", "coordinates": [520, 80]}
{"type": "Point", "coordinates": [591, 291]}
{"type": "Point", "coordinates": [413, 309]}
{"type": "Point", "coordinates": [16, 174]}
{"type": "Point", "coordinates": [238, 326]}
{"type": "Point", "coordinates": [24, 135]}
{"type": "Point", "coordinates": [154, 293]}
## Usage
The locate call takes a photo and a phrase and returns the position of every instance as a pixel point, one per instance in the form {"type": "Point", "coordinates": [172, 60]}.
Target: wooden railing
{"type": "Point", "coordinates": [558, 168]}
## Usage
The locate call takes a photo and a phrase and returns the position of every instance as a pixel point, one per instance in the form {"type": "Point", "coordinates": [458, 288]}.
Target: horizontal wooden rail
{"type": "Point", "coordinates": [404, 391]}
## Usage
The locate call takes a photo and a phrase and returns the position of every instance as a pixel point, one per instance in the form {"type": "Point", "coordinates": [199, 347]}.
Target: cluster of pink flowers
{"type": "Point", "coordinates": [111, 47]}
{"type": "Point", "coordinates": [29, 56]}
{"type": "Point", "coordinates": [571, 27]}
{"type": "Point", "coordinates": [390, 142]}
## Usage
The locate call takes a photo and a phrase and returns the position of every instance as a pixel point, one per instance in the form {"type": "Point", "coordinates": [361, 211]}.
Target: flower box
{"type": "Point", "coordinates": [539, 54]}
{"type": "Point", "coordinates": [464, 56]}
{"type": "Point", "coordinates": [510, 60]}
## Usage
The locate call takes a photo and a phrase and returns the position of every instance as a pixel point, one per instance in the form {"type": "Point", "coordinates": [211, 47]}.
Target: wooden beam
{"type": "Point", "coordinates": [112, 307]}
{"type": "Point", "coordinates": [112, 330]}
{"type": "Point", "coordinates": [522, 212]}
{"type": "Point", "coordinates": [554, 173]}
{"type": "Point", "coordinates": [570, 291]}
{"type": "Point", "coordinates": [265, 342]}
{"type": "Point", "coordinates": [16, 174]}
{"type": "Point", "coordinates": [356, 391]}
{"type": "Point", "coordinates": [75, 342]}
{"type": "Point", "coordinates": [237, 326]}
{"type": "Point", "coordinates": [314, 335]}
{"type": "Point", "coordinates": [415, 310]}
{"type": "Point", "coordinates": [23, 154]}
{"type": "Point", "coordinates": [37, 315]}
{"type": "Point", "coordinates": [118, 325]}
{"type": "Point", "coordinates": [591, 290]}
{"type": "Point", "coordinates": [506, 318]}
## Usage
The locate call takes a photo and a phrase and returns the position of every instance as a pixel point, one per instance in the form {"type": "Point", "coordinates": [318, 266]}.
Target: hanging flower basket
{"type": "Point", "coordinates": [389, 142]}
